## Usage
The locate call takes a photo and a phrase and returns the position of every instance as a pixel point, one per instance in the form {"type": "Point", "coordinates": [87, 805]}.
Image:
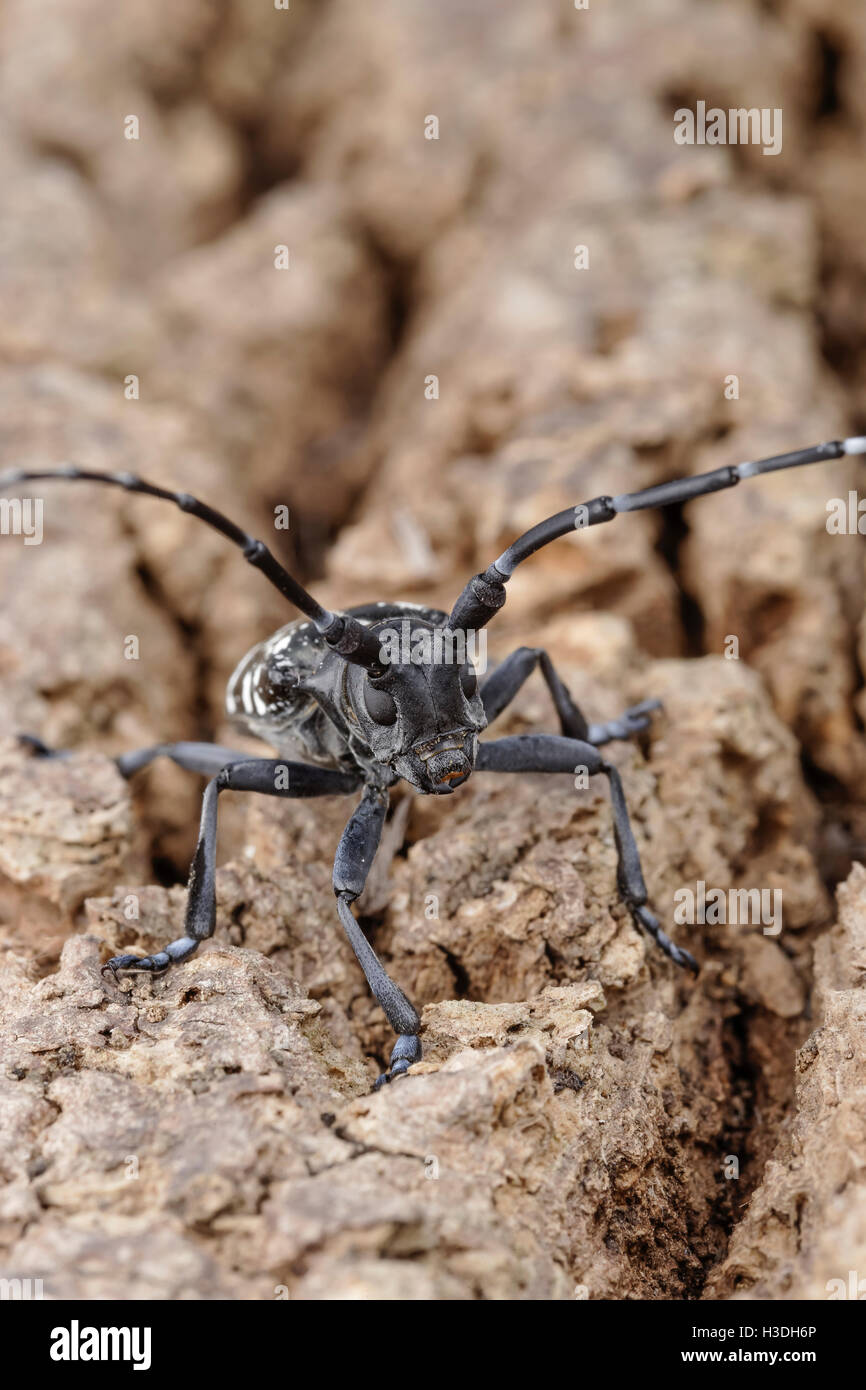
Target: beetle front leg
{"type": "Point", "coordinates": [200, 903]}
{"type": "Point", "coordinates": [265, 775]}
{"type": "Point", "coordinates": [355, 854]}
{"type": "Point", "coordinates": [552, 753]}
{"type": "Point", "coordinates": [630, 875]}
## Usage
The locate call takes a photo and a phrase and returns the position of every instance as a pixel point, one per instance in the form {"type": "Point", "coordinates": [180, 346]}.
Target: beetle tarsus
{"type": "Point", "coordinates": [650, 923]}
{"type": "Point", "coordinates": [39, 749]}
{"type": "Point", "coordinates": [406, 1051]}
{"type": "Point", "coordinates": [632, 721]}
{"type": "Point", "coordinates": [157, 964]}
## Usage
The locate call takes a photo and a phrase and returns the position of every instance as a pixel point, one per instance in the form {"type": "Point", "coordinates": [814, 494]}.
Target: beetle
{"type": "Point", "coordinates": [346, 713]}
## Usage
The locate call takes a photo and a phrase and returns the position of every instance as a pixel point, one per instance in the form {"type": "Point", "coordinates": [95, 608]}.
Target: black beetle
{"type": "Point", "coordinates": [364, 710]}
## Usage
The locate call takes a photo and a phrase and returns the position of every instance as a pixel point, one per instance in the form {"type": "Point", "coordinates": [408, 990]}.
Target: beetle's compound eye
{"type": "Point", "coordinates": [468, 681]}
{"type": "Point", "coordinates": [380, 705]}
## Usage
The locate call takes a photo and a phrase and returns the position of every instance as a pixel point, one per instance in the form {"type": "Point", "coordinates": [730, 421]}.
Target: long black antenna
{"type": "Point", "coordinates": [343, 633]}
{"type": "Point", "coordinates": [485, 594]}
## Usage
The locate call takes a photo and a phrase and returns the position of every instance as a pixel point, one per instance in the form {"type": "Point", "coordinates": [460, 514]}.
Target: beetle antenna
{"type": "Point", "coordinates": [343, 633]}
{"type": "Point", "coordinates": [484, 595]}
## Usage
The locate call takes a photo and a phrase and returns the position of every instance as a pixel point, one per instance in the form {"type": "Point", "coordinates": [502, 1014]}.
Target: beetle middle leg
{"type": "Point", "coordinates": [503, 684]}
{"type": "Point", "coordinates": [553, 753]}
{"type": "Point", "coordinates": [205, 758]}
{"type": "Point", "coordinates": [355, 854]}
{"type": "Point", "coordinates": [272, 777]}
{"type": "Point", "coordinates": [209, 759]}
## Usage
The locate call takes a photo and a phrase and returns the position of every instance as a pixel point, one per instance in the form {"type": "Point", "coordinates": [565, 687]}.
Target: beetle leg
{"type": "Point", "coordinates": [551, 753]}
{"type": "Point", "coordinates": [355, 854]}
{"type": "Point", "coordinates": [40, 749]}
{"type": "Point", "coordinates": [503, 684]}
{"type": "Point", "coordinates": [632, 721]}
{"type": "Point", "coordinates": [206, 758]}
{"type": "Point", "coordinates": [630, 875]}
{"type": "Point", "coordinates": [268, 776]}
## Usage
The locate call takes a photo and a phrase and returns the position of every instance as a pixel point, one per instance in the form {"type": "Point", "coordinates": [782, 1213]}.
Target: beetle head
{"type": "Point", "coordinates": [422, 715]}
